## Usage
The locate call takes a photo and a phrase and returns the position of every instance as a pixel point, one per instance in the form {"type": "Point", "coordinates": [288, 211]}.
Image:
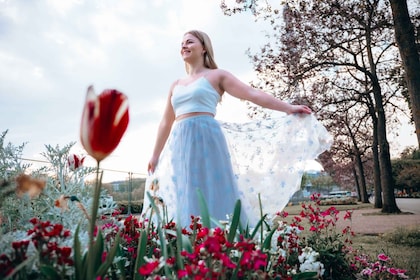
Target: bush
{"type": "Point", "coordinates": [339, 201]}
{"type": "Point", "coordinates": [136, 206]}
{"type": "Point", "coordinates": [56, 244]}
{"type": "Point", "coordinates": [404, 236]}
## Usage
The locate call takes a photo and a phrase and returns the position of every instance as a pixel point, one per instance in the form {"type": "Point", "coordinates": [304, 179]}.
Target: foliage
{"type": "Point", "coordinates": [406, 173]}
{"type": "Point", "coordinates": [59, 180]}
{"type": "Point", "coordinates": [405, 236]}
{"type": "Point", "coordinates": [339, 201]}
{"type": "Point", "coordinates": [10, 166]}
{"type": "Point", "coordinates": [150, 246]}
{"type": "Point", "coordinates": [352, 81]}
{"type": "Point", "coordinates": [323, 238]}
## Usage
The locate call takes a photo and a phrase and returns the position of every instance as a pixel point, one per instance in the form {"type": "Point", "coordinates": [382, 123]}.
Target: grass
{"type": "Point", "coordinates": [403, 256]}
{"type": "Point", "coordinates": [401, 244]}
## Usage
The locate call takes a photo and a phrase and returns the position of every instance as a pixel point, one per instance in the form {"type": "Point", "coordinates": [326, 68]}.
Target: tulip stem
{"type": "Point", "coordinates": [95, 206]}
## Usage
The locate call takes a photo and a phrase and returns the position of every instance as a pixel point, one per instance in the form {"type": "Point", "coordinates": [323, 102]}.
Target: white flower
{"type": "Point", "coordinates": [308, 260]}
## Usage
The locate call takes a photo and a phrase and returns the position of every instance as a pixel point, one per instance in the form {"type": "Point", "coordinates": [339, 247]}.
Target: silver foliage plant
{"type": "Point", "coordinates": [60, 181]}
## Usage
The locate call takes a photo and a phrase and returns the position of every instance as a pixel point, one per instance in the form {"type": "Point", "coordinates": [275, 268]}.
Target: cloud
{"type": "Point", "coordinates": [51, 51]}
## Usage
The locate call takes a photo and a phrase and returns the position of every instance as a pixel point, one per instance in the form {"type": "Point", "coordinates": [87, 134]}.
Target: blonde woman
{"type": "Point", "coordinates": [191, 151]}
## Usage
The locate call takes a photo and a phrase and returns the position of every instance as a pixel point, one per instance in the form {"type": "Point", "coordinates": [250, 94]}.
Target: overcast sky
{"type": "Point", "coordinates": [51, 51]}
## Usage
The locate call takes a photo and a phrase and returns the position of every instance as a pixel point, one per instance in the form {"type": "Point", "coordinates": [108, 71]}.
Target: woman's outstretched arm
{"type": "Point", "coordinates": [237, 88]}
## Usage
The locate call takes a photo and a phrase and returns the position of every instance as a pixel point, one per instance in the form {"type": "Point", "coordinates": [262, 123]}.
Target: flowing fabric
{"type": "Point", "coordinates": [261, 160]}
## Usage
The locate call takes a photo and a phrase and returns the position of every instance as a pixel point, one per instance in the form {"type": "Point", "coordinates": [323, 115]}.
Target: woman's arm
{"type": "Point", "coordinates": [237, 88]}
{"type": "Point", "coordinates": [163, 133]}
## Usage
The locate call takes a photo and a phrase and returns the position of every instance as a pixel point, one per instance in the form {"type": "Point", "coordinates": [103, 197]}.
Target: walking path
{"type": "Point", "coordinates": [372, 221]}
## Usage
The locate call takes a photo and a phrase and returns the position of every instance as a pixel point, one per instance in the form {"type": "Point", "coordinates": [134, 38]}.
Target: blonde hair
{"type": "Point", "coordinates": [206, 42]}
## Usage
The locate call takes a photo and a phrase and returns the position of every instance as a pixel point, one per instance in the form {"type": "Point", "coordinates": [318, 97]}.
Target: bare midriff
{"type": "Point", "coordinates": [187, 115]}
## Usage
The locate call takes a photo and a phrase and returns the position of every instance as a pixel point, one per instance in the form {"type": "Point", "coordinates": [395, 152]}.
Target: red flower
{"type": "Point", "coordinates": [148, 268]}
{"type": "Point", "coordinates": [104, 121]}
{"type": "Point", "coordinates": [75, 161]}
{"type": "Point", "coordinates": [347, 215]}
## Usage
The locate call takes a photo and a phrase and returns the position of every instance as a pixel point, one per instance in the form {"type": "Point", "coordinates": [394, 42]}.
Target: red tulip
{"type": "Point", "coordinates": [75, 161]}
{"type": "Point", "coordinates": [104, 121]}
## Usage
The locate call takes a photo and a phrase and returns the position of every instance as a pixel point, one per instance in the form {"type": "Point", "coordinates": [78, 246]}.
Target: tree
{"type": "Point", "coordinates": [406, 171]}
{"type": "Point", "coordinates": [323, 44]}
{"type": "Point", "coordinates": [405, 39]}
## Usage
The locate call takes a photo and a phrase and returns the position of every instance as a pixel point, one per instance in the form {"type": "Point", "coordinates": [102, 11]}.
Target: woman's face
{"type": "Point", "coordinates": [191, 48]}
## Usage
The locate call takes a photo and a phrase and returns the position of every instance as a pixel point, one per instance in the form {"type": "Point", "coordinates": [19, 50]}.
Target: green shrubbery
{"type": "Point", "coordinates": [47, 238]}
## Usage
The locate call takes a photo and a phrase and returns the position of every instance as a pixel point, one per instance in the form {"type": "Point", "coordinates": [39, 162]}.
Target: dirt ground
{"type": "Point", "coordinates": [367, 220]}
{"type": "Point", "coordinates": [373, 222]}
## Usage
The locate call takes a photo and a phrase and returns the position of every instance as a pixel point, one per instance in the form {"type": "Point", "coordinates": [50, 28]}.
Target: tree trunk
{"type": "Point", "coordinates": [356, 180]}
{"type": "Point", "coordinates": [377, 188]}
{"type": "Point", "coordinates": [404, 36]}
{"type": "Point", "coordinates": [359, 167]}
{"type": "Point", "coordinates": [387, 181]}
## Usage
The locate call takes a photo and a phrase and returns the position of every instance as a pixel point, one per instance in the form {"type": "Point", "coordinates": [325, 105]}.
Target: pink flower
{"type": "Point", "coordinates": [397, 271]}
{"type": "Point", "coordinates": [104, 121]}
{"type": "Point", "coordinates": [74, 161]}
{"type": "Point", "coordinates": [383, 257]}
{"type": "Point", "coordinates": [367, 272]}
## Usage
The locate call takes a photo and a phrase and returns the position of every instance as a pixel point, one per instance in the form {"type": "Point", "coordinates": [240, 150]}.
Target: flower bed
{"type": "Point", "coordinates": [58, 227]}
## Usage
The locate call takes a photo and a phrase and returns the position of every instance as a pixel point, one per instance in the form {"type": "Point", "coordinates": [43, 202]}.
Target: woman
{"type": "Point", "coordinates": [191, 151]}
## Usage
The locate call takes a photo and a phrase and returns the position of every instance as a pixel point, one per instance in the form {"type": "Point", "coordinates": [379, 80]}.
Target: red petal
{"type": "Point", "coordinates": [104, 121]}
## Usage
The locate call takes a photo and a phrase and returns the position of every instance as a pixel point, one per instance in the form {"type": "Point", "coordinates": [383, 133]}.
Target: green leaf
{"type": "Point", "coordinates": [164, 248]}
{"type": "Point", "coordinates": [49, 272]}
{"type": "Point", "coordinates": [98, 249]}
{"type": "Point", "coordinates": [306, 276]}
{"type": "Point", "coordinates": [22, 265]}
{"type": "Point", "coordinates": [77, 256]}
{"type": "Point", "coordinates": [141, 252]}
{"type": "Point", "coordinates": [180, 245]}
{"type": "Point", "coordinates": [235, 221]}
{"type": "Point", "coordinates": [121, 268]}
{"type": "Point", "coordinates": [254, 232]}
{"type": "Point", "coordinates": [205, 216]}
{"type": "Point", "coordinates": [267, 242]}
{"type": "Point", "coordinates": [110, 257]}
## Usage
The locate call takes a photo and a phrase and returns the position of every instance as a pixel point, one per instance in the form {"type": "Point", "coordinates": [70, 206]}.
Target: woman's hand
{"type": "Point", "coordinates": [300, 109]}
{"type": "Point", "coordinates": [152, 165]}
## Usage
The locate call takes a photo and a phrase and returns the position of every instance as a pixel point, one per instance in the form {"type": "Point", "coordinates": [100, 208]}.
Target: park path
{"type": "Point", "coordinates": [372, 221]}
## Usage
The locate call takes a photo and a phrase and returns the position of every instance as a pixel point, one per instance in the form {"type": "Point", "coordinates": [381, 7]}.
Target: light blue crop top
{"type": "Point", "coordinates": [198, 96]}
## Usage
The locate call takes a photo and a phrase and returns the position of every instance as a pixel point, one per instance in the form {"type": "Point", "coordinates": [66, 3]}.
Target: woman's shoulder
{"type": "Point", "coordinates": [218, 73]}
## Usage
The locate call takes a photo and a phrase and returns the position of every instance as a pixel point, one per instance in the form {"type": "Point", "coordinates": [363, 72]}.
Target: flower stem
{"type": "Point", "coordinates": [95, 206]}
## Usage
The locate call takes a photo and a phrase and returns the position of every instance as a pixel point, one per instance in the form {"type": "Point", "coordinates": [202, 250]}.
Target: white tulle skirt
{"type": "Point", "coordinates": [261, 160]}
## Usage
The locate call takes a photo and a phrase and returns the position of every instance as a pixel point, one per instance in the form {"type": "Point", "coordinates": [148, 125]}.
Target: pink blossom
{"type": "Point", "coordinates": [367, 272]}
{"type": "Point", "coordinates": [383, 257]}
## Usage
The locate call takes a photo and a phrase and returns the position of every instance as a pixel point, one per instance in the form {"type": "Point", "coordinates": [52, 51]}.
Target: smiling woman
{"type": "Point", "coordinates": [227, 162]}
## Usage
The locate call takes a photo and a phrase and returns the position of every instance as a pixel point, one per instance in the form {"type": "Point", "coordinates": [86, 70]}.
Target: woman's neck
{"type": "Point", "coordinates": [194, 70]}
